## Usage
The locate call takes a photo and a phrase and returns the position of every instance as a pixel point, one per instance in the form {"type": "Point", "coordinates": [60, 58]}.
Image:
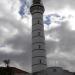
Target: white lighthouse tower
{"type": "Point", "coordinates": [38, 38]}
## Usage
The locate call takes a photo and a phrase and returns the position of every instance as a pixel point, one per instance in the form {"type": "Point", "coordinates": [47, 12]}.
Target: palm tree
{"type": "Point", "coordinates": [7, 62]}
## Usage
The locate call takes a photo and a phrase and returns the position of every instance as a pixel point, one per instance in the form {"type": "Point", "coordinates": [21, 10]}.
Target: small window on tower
{"type": "Point", "coordinates": [40, 61]}
{"type": "Point", "coordinates": [38, 22]}
{"type": "Point", "coordinates": [39, 46]}
{"type": "Point", "coordinates": [39, 33]}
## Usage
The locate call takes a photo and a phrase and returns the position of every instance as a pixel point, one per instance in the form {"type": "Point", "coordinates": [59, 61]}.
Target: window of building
{"type": "Point", "coordinates": [40, 61]}
{"type": "Point", "coordinates": [38, 21]}
{"type": "Point", "coordinates": [54, 70]}
{"type": "Point", "coordinates": [39, 33]}
{"type": "Point", "coordinates": [39, 46]}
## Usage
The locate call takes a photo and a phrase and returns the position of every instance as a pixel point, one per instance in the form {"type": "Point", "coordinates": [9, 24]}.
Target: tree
{"type": "Point", "coordinates": [7, 62]}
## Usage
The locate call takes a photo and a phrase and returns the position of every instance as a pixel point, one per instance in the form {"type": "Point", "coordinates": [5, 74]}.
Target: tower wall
{"type": "Point", "coordinates": [38, 39]}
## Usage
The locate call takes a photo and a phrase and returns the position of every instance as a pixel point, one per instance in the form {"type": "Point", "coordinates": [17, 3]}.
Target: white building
{"type": "Point", "coordinates": [58, 71]}
{"type": "Point", "coordinates": [38, 38]}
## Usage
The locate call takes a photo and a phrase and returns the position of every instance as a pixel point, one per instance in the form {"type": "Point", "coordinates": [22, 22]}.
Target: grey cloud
{"type": "Point", "coordinates": [58, 4]}
{"type": "Point", "coordinates": [66, 44]}
{"type": "Point", "coordinates": [50, 46]}
{"type": "Point", "coordinates": [20, 41]}
{"type": "Point", "coordinates": [64, 63]}
{"type": "Point", "coordinates": [24, 60]}
{"type": "Point", "coordinates": [66, 37]}
{"type": "Point", "coordinates": [11, 21]}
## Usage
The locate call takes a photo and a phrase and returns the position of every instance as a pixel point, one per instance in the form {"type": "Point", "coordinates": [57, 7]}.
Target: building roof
{"type": "Point", "coordinates": [18, 70]}
{"type": "Point", "coordinates": [14, 69]}
{"type": "Point", "coordinates": [58, 69]}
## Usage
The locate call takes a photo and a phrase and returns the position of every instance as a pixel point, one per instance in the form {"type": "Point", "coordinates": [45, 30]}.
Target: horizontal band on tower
{"type": "Point", "coordinates": [37, 36]}
{"type": "Point", "coordinates": [39, 56]}
{"type": "Point", "coordinates": [37, 24]}
{"type": "Point", "coordinates": [37, 30]}
{"type": "Point", "coordinates": [38, 17]}
{"type": "Point", "coordinates": [36, 12]}
{"type": "Point", "coordinates": [38, 42]}
{"type": "Point", "coordinates": [38, 49]}
{"type": "Point", "coordinates": [38, 64]}
{"type": "Point", "coordinates": [38, 7]}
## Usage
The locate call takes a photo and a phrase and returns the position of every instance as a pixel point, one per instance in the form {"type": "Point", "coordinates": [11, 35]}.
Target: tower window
{"type": "Point", "coordinates": [39, 46]}
{"type": "Point", "coordinates": [38, 33]}
{"type": "Point", "coordinates": [40, 61]}
{"type": "Point", "coordinates": [38, 22]}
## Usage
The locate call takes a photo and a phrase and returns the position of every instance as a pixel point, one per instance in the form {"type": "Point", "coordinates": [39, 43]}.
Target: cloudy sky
{"type": "Point", "coordinates": [15, 33]}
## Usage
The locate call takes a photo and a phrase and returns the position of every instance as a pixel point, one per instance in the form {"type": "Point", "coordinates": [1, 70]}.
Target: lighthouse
{"type": "Point", "coordinates": [39, 62]}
